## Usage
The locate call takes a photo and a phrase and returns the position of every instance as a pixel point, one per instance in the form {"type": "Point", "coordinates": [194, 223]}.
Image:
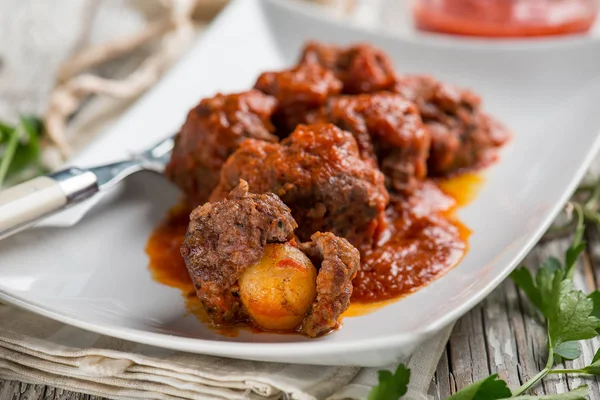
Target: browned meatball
{"type": "Point", "coordinates": [389, 131]}
{"type": "Point", "coordinates": [225, 238]}
{"type": "Point", "coordinates": [300, 91]}
{"type": "Point", "coordinates": [338, 263]}
{"type": "Point", "coordinates": [362, 68]}
{"type": "Point", "coordinates": [212, 131]}
{"type": "Point", "coordinates": [462, 136]}
{"type": "Point", "coordinates": [317, 171]}
{"type": "Point", "coordinates": [245, 265]}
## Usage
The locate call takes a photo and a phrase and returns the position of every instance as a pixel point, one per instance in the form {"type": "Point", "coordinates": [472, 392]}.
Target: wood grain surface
{"type": "Point", "coordinates": [500, 335]}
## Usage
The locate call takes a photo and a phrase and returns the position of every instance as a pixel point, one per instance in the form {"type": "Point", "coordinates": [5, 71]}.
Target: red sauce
{"type": "Point", "coordinates": [505, 18]}
{"type": "Point", "coordinates": [166, 263]}
{"type": "Point", "coordinates": [424, 241]}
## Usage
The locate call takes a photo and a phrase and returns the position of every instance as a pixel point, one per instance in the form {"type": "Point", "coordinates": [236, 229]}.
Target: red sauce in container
{"type": "Point", "coordinates": [505, 18]}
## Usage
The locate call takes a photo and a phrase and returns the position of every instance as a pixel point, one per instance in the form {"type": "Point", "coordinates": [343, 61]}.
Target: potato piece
{"type": "Point", "coordinates": [279, 290]}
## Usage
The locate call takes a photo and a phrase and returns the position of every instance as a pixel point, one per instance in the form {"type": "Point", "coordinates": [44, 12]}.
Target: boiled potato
{"type": "Point", "coordinates": [279, 290]}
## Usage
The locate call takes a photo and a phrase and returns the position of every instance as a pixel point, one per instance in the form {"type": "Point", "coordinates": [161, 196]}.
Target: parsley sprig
{"type": "Point", "coordinates": [568, 314]}
{"type": "Point", "coordinates": [586, 202]}
{"type": "Point", "coordinates": [20, 151]}
{"type": "Point", "coordinates": [391, 386]}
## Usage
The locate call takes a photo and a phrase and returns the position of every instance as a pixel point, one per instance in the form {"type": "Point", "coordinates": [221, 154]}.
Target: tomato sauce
{"type": "Point", "coordinates": [505, 18]}
{"type": "Point", "coordinates": [424, 240]}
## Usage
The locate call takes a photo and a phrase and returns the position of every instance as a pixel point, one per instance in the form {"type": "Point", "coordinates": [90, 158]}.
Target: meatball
{"type": "Point", "coordinates": [338, 264]}
{"type": "Point", "coordinates": [225, 238]}
{"type": "Point", "coordinates": [462, 136]}
{"type": "Point", "coordinates": [212, 131]}
{"type": "Point", "coordinates": [300, 92]}
{"type": "Point", "coordinates": [362, 68]}
{"type": "Point", "coordinates": [389, 131]}
{"type": "Point", "coordinates": [317, 171]}
{"type": "Point", "coordinates": [245, 265]}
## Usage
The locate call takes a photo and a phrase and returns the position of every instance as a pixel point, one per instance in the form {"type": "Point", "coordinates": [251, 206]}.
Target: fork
{"type": "Point", "coordinates": [23, 205]}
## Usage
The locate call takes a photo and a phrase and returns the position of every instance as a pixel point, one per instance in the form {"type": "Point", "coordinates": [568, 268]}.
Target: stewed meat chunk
{"type": "Point", "coordinates": [318, 172]}
{"type": "Point", "coordinates": [462, 135]}
{"type": "Point", "coordinates": [245, 265]}
{"type": "Point", "coordinates": [300, 91]}
{"type": "Point", "coordinates": [362, 68]}
{"type": "Point", "coordinates": [338, 263]}
{"type": "Point", "coordinates": [389, 131]}
{"type": "Point", "coordinates": [225, 238]}
{"type": "Point", "coordinates": [211, 132]}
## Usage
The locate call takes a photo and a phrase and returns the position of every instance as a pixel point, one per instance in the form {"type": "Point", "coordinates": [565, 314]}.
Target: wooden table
{"type": "Point", "coordinates": [498, 336]}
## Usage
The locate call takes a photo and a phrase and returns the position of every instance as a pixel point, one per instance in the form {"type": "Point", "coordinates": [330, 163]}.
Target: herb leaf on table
{"type": "Point", "coordinates": [490, 388]}
{"type": "Point", "coordinates": [391, 386]}
{"type": "Point", "coordinates": [579, 393]}
{"type": "Point", "coordinates": [570, 316]}
{"type": "Point", "coordinates": [20, 150]}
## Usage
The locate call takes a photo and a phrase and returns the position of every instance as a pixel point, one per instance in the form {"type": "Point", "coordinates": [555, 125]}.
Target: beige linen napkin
{"type": "Point", "coordinates": [38, 350]}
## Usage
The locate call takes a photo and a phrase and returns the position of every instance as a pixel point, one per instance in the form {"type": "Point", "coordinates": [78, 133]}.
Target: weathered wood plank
{"type": "Point", "coordinates": [440, 387]}
{"type": "Point", "coordinates": [468, 350]}
{"type": "Point", "coordinates": [525, 357]}
{"type": "Point", "coordinates": [8, 389]}
{"type": "Point", "coordinates": [60, 394]}
{"type": "Point", "coordinates": [498, 330]}
{"type": "Point", "coordinates": [12, 390]}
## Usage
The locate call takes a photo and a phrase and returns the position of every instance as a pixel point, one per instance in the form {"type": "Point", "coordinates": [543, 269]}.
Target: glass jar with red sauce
{"type": "Point", "coordinates": [505, 18]}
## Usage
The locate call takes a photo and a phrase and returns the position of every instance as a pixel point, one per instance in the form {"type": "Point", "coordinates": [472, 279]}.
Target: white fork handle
{"type": "Point", "coordinates": [24, 204]}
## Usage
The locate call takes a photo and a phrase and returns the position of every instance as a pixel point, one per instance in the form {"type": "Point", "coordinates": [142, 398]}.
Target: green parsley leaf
{"type": "Point", "coordinates": [548, 280]}
{"type": "Point", "coordinates": [8, 154]}
{"type": "Point", "coordinates": [391, 387]}
{"type": "Point", "coordinates": [567, 351]}
{"type": "Point", "coordinates": [580, 393]}
{"type": "Point", "coordinates": [595, 297]}
{"type": "Point", "coordinates": [21, 155]}
{"type": "Point", "coordinates": [552, 264]}
{"type": "Point", "coordinates": [490, 388]}
{"type": "Point", "coordinates": [580, 226]}
{"type": "Point", "coordinates": [571, 256]}
{"type": "Point", "coordinates": [570, 316]}
{"type": "Point", "coordinates": [594, 367]}
{"type": "Point", "coordinates": [5, 128]}
{"type": "Point", "coordinates": [26, 162]}
{"type": "Point", "coordinates": [596, 356]}
{"type": "Point", "coordinates": [544, 289]}
{"type": "Point", "coordinates": [523, 278]}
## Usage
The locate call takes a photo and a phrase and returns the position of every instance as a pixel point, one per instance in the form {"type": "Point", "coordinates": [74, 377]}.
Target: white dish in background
{"type": "Point", "coordinates": [94, 275]}
{"type": "Point", "coordinates": [395, 17]}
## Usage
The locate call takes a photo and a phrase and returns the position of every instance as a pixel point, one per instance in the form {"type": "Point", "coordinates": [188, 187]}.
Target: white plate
{"type": "Point", "coordinates": [94, 275]}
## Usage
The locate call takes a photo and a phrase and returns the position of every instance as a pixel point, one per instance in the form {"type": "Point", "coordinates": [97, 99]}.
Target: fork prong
{"type": "Point", "coordinates": [160, 149]}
